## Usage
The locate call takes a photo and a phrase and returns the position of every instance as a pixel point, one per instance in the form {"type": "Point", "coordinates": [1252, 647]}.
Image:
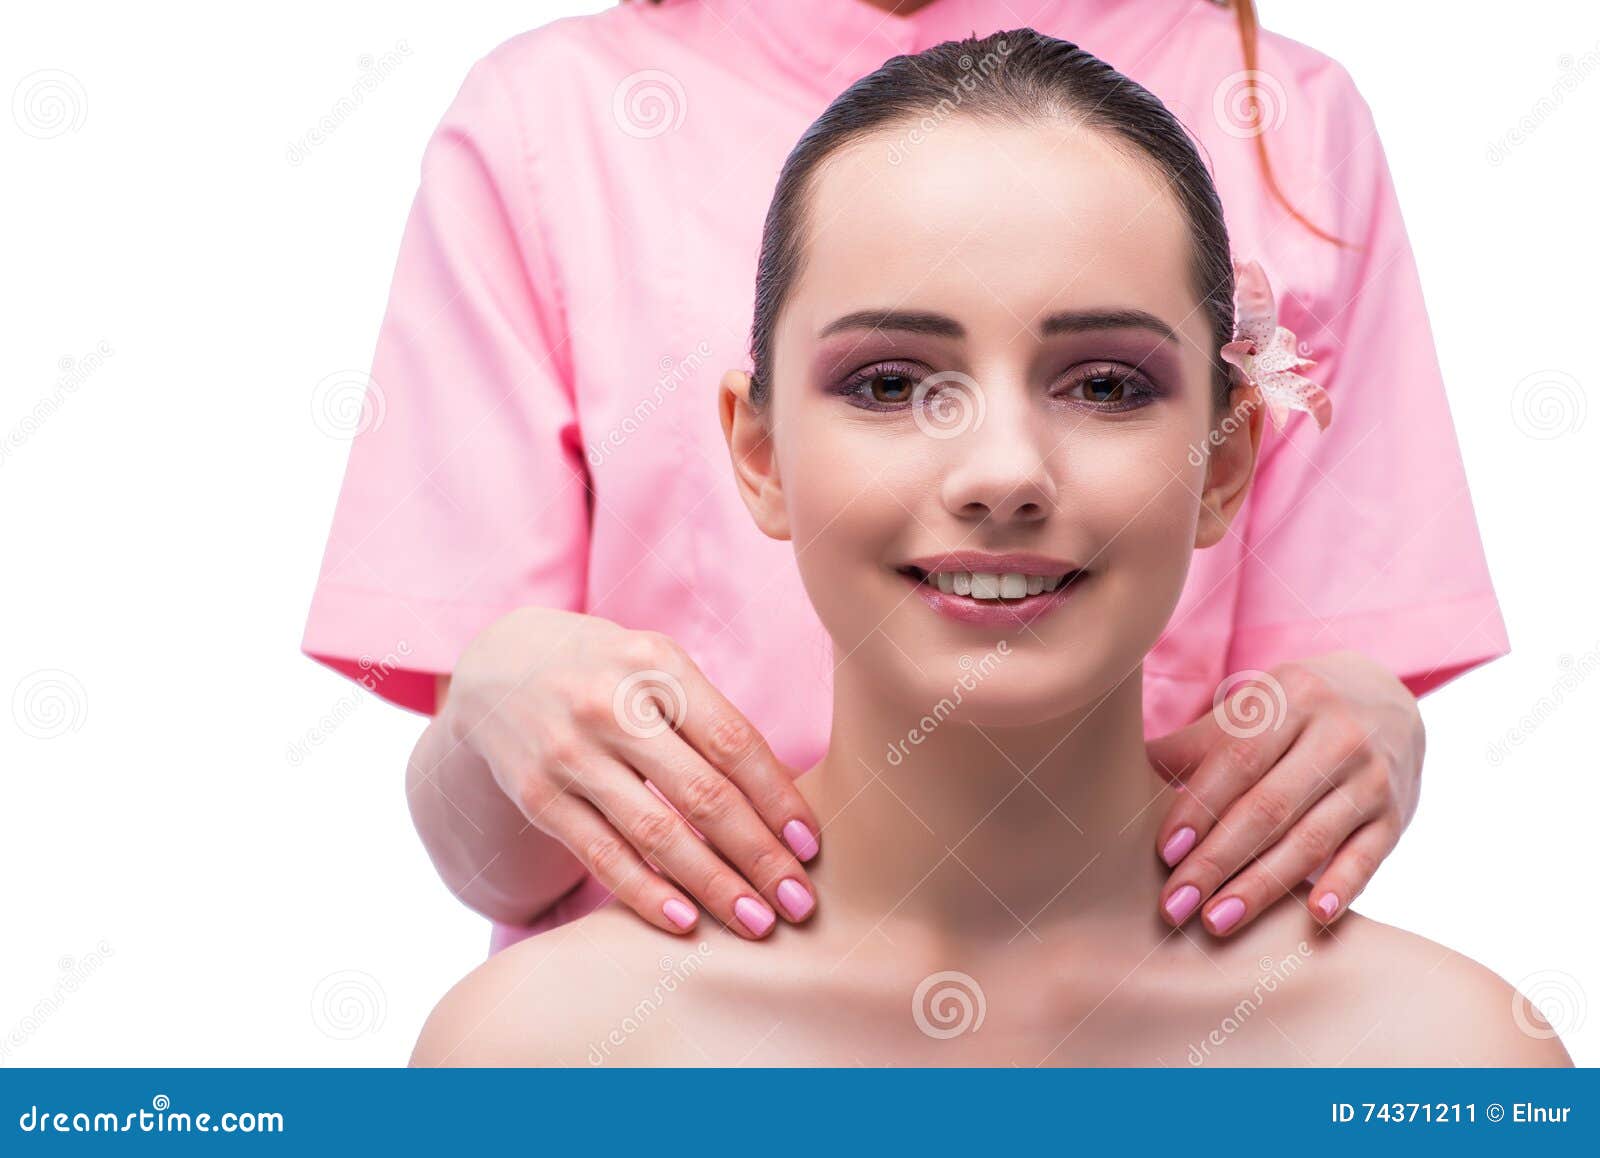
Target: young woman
{"type": "Point", "coordinates": [534, 511]}
{"type": "Point", "coordinates": [999, 398]}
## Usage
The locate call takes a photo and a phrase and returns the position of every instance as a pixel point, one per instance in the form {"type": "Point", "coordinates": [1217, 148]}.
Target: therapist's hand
{"type": "Point", "coordinates": [1322, 758]}
{"type": "Point", "coordinates": [572, 713]}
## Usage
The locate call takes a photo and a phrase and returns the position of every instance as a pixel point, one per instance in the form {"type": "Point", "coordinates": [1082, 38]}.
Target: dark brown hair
{"type": "Point", "coordinates": [1019, 77]}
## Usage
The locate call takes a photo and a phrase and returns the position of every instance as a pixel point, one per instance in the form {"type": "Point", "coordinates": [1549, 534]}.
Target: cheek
{"type": "Point", "coordinates": [1139, 498]}
{"type": "Point", "coordinates": [839, 482]}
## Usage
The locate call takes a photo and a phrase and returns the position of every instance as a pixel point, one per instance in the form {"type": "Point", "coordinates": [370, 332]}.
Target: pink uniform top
{"type": "Point", "coordinates": [578, 270]}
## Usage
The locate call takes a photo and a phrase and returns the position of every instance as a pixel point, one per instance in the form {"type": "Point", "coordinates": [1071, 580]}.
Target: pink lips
{"type": "Point", "coordinates": [994, 612]}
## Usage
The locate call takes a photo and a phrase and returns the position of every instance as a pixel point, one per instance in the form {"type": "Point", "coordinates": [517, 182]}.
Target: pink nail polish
{"type": "Point", "coordinates": [1225, 915]}
{"type": "Point", "coordinates": [753, 915]}
{"type": "Point", "coordinates": [799, 839]}
{"type": "Point", "coordinates": [794, 898]}
{"type": "Point", "coordinates": [1328, 905]}
{"type": "Point", "coordinates": [1178, 845]}
{"type": "Point", "coordinates": [679, 913]}
{"type": "Point", "coordinates": [1181, 903]}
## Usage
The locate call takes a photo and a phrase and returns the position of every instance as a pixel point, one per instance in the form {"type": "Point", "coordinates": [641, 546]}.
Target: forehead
{"type": "Point", "coordinates": [1030, 217]}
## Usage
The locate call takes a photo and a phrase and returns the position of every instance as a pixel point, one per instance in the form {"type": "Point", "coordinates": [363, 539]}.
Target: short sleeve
{"type": "Point", "coordinates": [465, 495]}
{"type": "Point", "coordinates": [1363, 536]}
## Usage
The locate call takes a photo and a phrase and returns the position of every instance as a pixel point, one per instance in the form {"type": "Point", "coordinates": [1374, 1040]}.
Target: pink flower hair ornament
{"type": "Point", "coordinates": [1265, 355]}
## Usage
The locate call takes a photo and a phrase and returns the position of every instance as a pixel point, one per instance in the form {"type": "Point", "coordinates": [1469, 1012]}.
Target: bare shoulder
{"type": "Point", "coordinates": [558, 998]}
{"type": "Point", "coordinates": [1409, 1001]}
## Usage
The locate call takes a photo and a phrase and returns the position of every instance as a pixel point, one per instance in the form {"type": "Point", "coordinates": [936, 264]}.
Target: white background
{"type": "Point", "coordinates": [164, 525]}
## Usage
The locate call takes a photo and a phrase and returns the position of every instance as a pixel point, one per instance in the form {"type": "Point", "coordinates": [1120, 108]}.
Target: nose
{"type": "Point", "coordinates": [999, 466]}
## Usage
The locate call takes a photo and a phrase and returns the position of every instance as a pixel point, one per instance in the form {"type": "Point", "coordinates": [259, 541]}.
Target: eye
{"type": "Point", "coordinates": [882, 386]}
{"type": "Point", "coordinates": [1107, 386]}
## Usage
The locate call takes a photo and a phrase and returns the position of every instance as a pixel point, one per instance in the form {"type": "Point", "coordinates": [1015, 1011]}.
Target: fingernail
{"type": "Point", "coordinates": [794, 898]}
{"type": "Point", "coordinates": [799, 838]}
{"type": "Point", "coordinates": [679, 913]}
{"type": "Point", "coordinates": [753, 915]}
{"type": "Point", "coordinates": [1226, 914]}
{"type": "Point", "coordinates": [1178, 845]}
{"type": "Point", "coordinates": [1329, 904]}
{"type": "Point", "coordinates": [1181, 903]}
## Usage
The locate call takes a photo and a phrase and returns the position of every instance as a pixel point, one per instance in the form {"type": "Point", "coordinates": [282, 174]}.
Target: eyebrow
{"type": "Point", "coordinates": [1062, 322]}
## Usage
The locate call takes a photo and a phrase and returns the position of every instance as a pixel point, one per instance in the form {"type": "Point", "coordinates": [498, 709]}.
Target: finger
{"type": "Point", "coordinates": [1284, 866]}
{"type": "Point", "coordinates": [1177, 754]}
{"type": "Point", "coordinates": [596, 843]}
{"type": "Point", "coordinates": [1351, 869]}
{"type": "Point", "coordinates": [1255, 822]}
{"type": "Point", "coordinates": [665, 838]}
{"type": "Point", "coordinates": [1234, 762]}
{"type": "Point", "coordinates": [718, 811]}
{"type": "Point", "coordinates": [710, 724]}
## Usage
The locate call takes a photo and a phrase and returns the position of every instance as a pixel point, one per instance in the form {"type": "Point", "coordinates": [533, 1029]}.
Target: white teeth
{"type": "Point", "coordinates": [990, 585]}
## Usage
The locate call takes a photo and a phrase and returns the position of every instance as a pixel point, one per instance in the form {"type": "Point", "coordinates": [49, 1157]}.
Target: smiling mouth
{"type": "Point", "coordinates": [1003, 588]}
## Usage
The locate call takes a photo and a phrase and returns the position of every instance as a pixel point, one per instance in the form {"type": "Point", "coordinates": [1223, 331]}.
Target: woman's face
{"type": "Point", "coordinates": [993, 348]}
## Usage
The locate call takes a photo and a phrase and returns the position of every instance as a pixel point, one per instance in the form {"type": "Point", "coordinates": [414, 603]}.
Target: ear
{"type": "Point", "coordinates": [1234, 443]}
{"type": "Point", "coordinates": [755, 461]}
